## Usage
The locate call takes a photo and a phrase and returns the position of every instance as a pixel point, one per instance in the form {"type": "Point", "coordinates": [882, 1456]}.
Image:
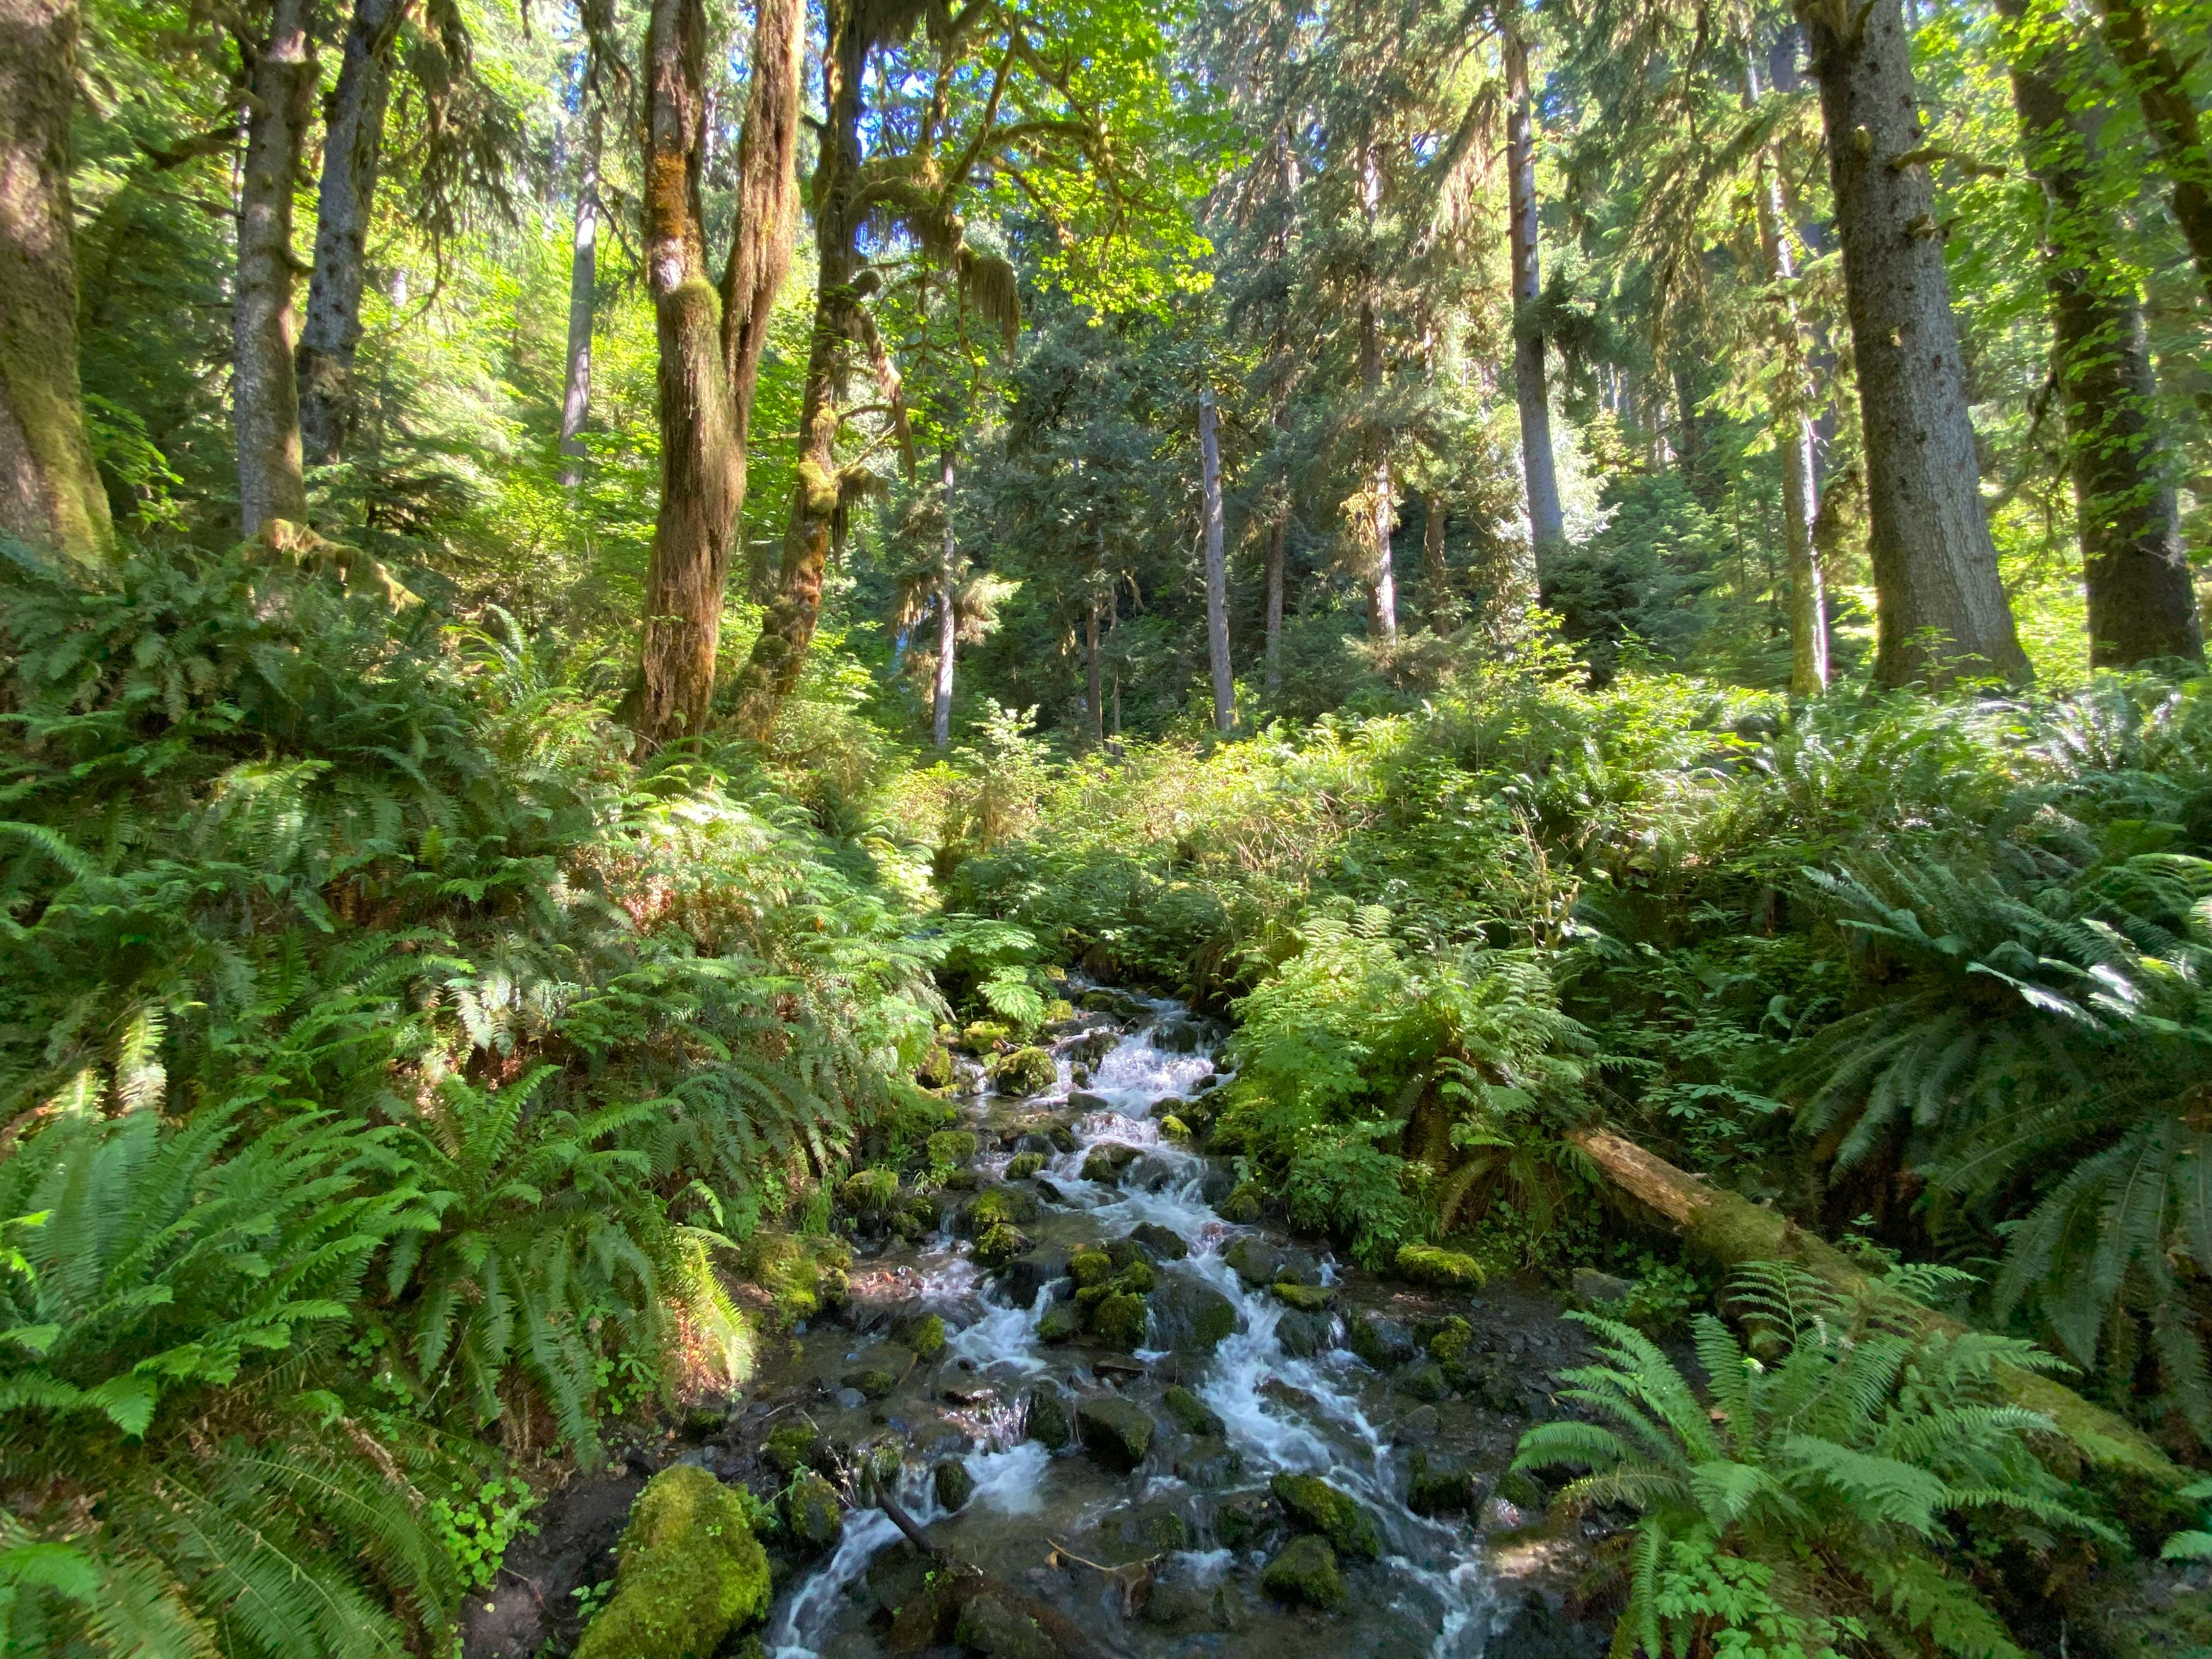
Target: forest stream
{"type": "Point", "coordinates": [1147, 1531]}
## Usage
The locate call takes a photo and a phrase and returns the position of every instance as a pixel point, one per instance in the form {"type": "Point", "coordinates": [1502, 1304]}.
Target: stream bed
{"type": "Point", "coordinates": [1131, 1502]}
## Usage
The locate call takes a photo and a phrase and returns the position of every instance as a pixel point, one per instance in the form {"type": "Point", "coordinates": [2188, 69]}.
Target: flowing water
{"type": "Point", "coordinates": [1141, 1562]}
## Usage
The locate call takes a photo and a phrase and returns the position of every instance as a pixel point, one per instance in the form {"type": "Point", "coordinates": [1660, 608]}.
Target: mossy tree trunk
{"type": "Point", "coordinates": [49, 490]}
{"type": "Point", "coordinates": [2143, 600]}
{"type": "Point", "coordinates": [1942, 610]}
{"type": "Point", "coordinates": [264, 390]}
{"type": "Point", "coordinates": [1278, 536]}
{"type": "Point", "coordinates": [353, 150]}
{"type": "Point", "coordinates": [710, 342]}
{"type": "Point", "coordinates": [1547, 535]}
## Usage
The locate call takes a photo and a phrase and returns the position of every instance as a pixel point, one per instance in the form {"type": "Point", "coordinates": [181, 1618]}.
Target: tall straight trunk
{"type": "Point", "coordinates": [1382, 578]}
{"type": "Point", "coordinates": [583, 297]}
{"type": "Point", "coordinates": [50, 488]}
{"type": "Point", "coordinates": [1793, 435]}
{"type": "Point", "coordinates": [353, 147]}
{"type": "Point", "coordinates": [948, 619]}
{"type": "Point", "coordinates": [1434, 571]}
{"type": "Point", "coordinates": [2160, 81]}
{"type": "Point", "coordinates": [709, 341]}
{"type": "Point", "coordinates": [780, 653]}
{"type": "Point", "coordinates": [1942, 608]}
{"type": "Point", "coordinates": [1094, 701]}
{"type": "Point", "coordinates": [264, 393]}
{"type": "Point", "coordinates": [1278, 536]}
{"type": "Point", "coordinates": [1546, 525]}
{"type": "Point", "coordinates": [2142, 602]}
{"type": "Point", "coordinates": [1217, 567]}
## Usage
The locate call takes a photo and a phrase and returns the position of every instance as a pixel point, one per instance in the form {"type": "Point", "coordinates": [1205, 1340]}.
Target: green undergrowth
{"type": "Point", "coordinates": [389, 1061]}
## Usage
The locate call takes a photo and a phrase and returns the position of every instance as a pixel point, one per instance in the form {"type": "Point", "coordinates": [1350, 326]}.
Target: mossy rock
{"type": "Point", "coordinates": [813, 1513]}
{"type": "Point", "coordinates": [1430, 1264]}
{"type": "Point", "coordinates": [1424, 1380]}
{"type": "Point", "coordinates": [995, 1627]}
{"type": "Point", "coordinates": [869, 1192]}
{"type": "Point", "coordinates": [1059, 1323]}
{"type": "Point", "coordinates": [1450, 1339]}
{"type": "Point", "coordinates": [950, 1148]}
{"type": "Point", "coordinates": [1104, 1164]}
{"type": "Point", "coordinates": [1047, 1419]}
{"type": "Point", "coordinates": [985, 1035]}
{"type": "Point", "coordinates": [1024, 1072]}
{"type": "Point", "coordinates": [1174, 1127]}
{"type": "Point", "coordinates": [1314, 1505]}
{"type": "Point", "coordinates": [1024, 1165]}
{"type": "Point", "coordinates": [997, 1245]}
{"type": "Point", "coordinates": [689, 1572]}
{"type": "Point", "coordinates": [1244, 1204]}
{"type": "Point", "coordinates": [1382, 1342]}
{"type": "Point", "coordinates": [1305, 1573]}
{"type": "Point", "coordinates": [953, 1483]}
{"type": "Point", "coordinates": [1062, 1138]}
{"type": "Point", "coordinates": [1439, 1488]}
{"type": "Point", "coordinates": [1306, 1298]}
{"type": "Point", "coordinates": [792, 1447]}
{"type": "Point", "coordinates": [872, 1382]}
{"type": "Point", "coordinates": [935, 1071]}
{"type": "Point", "coordinates": [1090, 1268]}
{"type": "Point", "coordinates": [800, 1275]}
{"type": "Point", "coordinates": [1192, 1414]}
{"type": "Point", "coordinates": [1161, 1243]}
{"type": "Point", "coordinates": [1118, 1318]}
{"type": "Point", "coordinates": [926, 1336]}
{"type": "Point", "coordinates": [1117, 1433]}
{"type": "Point", "coordinates": [1010, 1207]}
{"type": "Point", "coordinates": [1192, 1316]}
{"type": "Point", "coordinates": [1241, 1521]}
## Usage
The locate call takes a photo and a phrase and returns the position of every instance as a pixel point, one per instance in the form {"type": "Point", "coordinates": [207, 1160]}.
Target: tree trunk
{"type": "Point", "coordinates": [1434, 571]}
{"type": "Point", "coordinates": [583, 296]}
{"type": "Point", "coordinates": [1793, 435]}
{"type": "Point", "coordinates": [780, 653]}
{"type": "Point", "coordinates": [2143, 601]}
{"type": "Point", "coordinates": [50, 488]}
{"type": "Point", "coordinates": [2161, 86]}
{"type": "Point", "coordinates": [1380, 579]}
{"type": "Point", "coordinates": [1942, 608]}
{"type": "Point", "coordinates": [1217, 568]}
{"type": "Point", "coordinates": [709, 343]}
{"type": "Point", "coordinates": [948, 619]}
{"type": "Point", "coordinates": [1094, 699]}
{"type": "Point", "coordinates": [1733, 1231]}
{"type": "Point", "coordinates": [1278, 536]}
{"type": "Point", "coordinates": [1546, 526]}
{"type": "Point", "coordinates": [353, 147]}
{"type": "Point", "coordinates": [264, 395]}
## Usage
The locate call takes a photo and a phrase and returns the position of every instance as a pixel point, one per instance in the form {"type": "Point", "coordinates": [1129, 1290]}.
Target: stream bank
{"type": "Point", "coordinates": [1156, 1431]}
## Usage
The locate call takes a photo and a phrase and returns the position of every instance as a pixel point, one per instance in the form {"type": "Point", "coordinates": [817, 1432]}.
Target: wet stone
{"type": "Point", "coordinates": [1193, 1414]}
{"type": "Point", "coordinates": [1046, 1418]}
{"type": "Point", "coordinates": [1190, 1316]}
{"type": "Point", "coordinates": [1205, 1460]}
{"type": "Point", "coordinates": [1117, 1433]}
{"type": "Point", "coordinates": [1439, 1487]}
{"type": "Point", "coordinates": [954, 1485]}
{"type": "Point", "coordinates": [1304, 1334]}
{"type": "Point", "coordinates": [1162, 1243]}
{"type": "Point", "coordinates": [1083, 1100]}
{"type": "Point", "coordinates": [1424, 1381]}
{"type": "Point", "coordinates": [813, 1513]}
{"type": "Point", "coordinates": [1313, 1505]}
{"type": "Point", "coordinates": [1261, 1262]}
{"type": "Point", "coordinates": [872, 1383]}
{"type": "Point", "coordinates": [1305, 1572]}
{"type": "Point", "coordinates": [1241, 1521]}
{"type": "Point", "coordinates": [1178, 1604]}
{"type": "Point", "coordinates": [1154, 1529]}
{"type": "Point", "coordinates": [1107, 1160]}
{"type": "Point", "coordinates": [1306, 1298]}
{"type": "Point", "coordinates": [1059, 1323]}
{"type": "Point", "coordinates": [991, 1626]}
{"type": "Point", "coordinates": [1024, 1164]}
{"type": "Point", "coordinates": [1118, 1318]}
{"type": "Point", "coordinates": [849, 1400]}
{"type": "Point", "coordinates": [1033, 1144]}
{"type": "Point", "coordinates": [1021, 1277]}
{"type": "Point", "coordinates": [1062, 1138]}
{"type": "Point", "coordinates": [1382, 1342]}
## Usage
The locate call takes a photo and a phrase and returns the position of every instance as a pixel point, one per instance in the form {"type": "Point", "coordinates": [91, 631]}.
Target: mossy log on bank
{"type": "Point", "coordinates": [1733, 1231]}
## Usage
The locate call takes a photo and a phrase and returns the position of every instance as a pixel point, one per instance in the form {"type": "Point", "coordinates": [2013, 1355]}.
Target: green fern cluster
{"type": "Point", "coordinates": [383, 1054]}
{"type": "Point", "coordinates": [1807, 1499]}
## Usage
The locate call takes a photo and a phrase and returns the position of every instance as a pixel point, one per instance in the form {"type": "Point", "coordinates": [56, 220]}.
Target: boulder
{"type": "Point", "coordinates": [1596, 1290]}
{"type": "Point", "coordinates": [1082, 1100]}
{"type": "Point", "coordinates": [1107, 1160]}
{"type": "Point", "coordinates": [1117, 1433]}
{"type": "Point", "coordinates": [812, 1512]}
{"type": "Point", "coordinates": [1244, 1205]}
{"type": "Point", "coordinates": [1189, 1316]}
{"type": "Point", "coordinates": [1025, 1275]}
{"type": "Point", "coordinates": [954, 1485]}
{"type": "Point", "coordinates": [1059, 1323]}
{"type": "Point", "coordinates": [995, 1206]}
{"type": "Point", "coordinates": [1191, 1414]}
{"type": "Point", "coordinates": [1450, 1270]}
{"type": "Point", "coordinates": [1305, 1573]}
{"type": "Point", "coordinates": [792, 1447]}
{"type": "Point", "coordinates": [1261, 1262]}
{"type": "Point", "coordinates": [688, 1573]}
{"type": "Point", "coordinates": [1024, 1072]}
{"type": "Point", "coordinates": [1306, 1298]}
{"type": "Point", "coordinates": [1062, 1138]}
{"type": "Point", "coordinates": [1177, 1037]}
{"type": "Point", "coordinates": [1046, 1418]}
{"type": "Point", "coordinates": [1118, 1318]}
{"type": "Point", "coordinates": [949, 1148]}
{"type": "Point", "coordinates": [1023, 1165]}
{"type": "Point", "coordinates": [1312, 1504]}
{"type": "Point", "coordinates": [1160, 1243]}
{"type": "Point", "coordinates": [1382, 1342]}
{"type": "Point", "coordinates": [1439, 1487]}
{"type": "Point", "coordinates": [1302, 1335]}
{"type": "Point", "coordinates": [994, 1627]}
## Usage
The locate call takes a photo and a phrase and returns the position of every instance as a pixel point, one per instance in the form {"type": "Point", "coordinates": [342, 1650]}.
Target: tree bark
{"type": "Point", "coordinates": [1216, 569]}
{"type": "Point", "coordinates": [1434, 571]}
{"type": "Point", "coordinates": [780, 653]}
{"type": "Point", "coordinates": [1793, 435]}
{"type": "Point", "coordinates": [49, 490]}
{"type": "Point", "coordinates": [2143, 600]}
{"type": "Point", "coordinates": [353, 149]}
{"type": "Point", "coordinates": [1546, 524]}
{"type": "Point", "coordinates": [1942, 608]}
{"type": "Point", "coordinates": [583, 298]}
{"type": "Point", "coordinates": [1380, 579]}
{"type": "Point", "coordinates": [948, 619]}
{"type": "Point", "coordinates": [2161, 86]}
{"type": "Point", "coordinates": [1732, 1230]}
{"type": "Point", "coordinates": [1278, 536]}
{"type": "Point", "coordinates": [1094, 701]}
{"type": "Point", "coordinates": [709, 343]}
{"type": "Point", "coordinates": [264, 393]}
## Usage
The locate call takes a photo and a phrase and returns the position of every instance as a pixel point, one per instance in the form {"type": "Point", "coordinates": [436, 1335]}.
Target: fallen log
{"type": "Point", "coordinates": [1733, 1231]}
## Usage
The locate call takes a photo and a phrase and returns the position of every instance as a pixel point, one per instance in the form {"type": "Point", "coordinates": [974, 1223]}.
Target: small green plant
{"type": "Point", "coordinates": [479, 1526]}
